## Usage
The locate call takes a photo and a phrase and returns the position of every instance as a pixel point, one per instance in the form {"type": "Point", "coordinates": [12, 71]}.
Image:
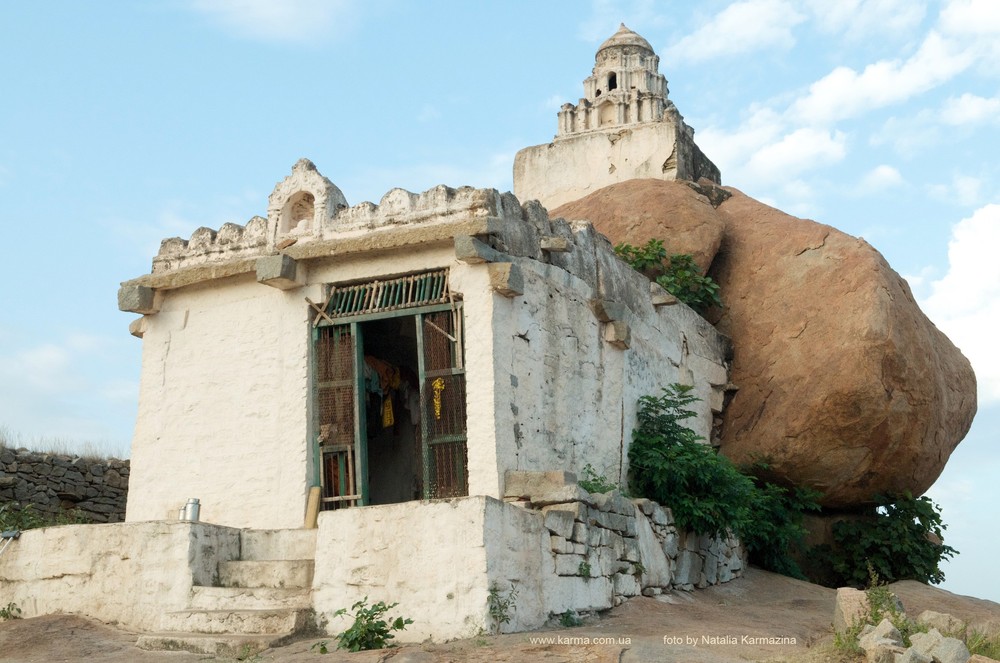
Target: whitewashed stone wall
{"type": "Point", "coordinates": [561, 340]}
{"type": "Point", "coordinates": [560, 548]}
{"type": "Point", "coordinates": [120, 573]}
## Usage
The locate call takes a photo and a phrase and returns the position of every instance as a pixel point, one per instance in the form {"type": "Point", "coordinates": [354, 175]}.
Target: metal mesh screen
{"type": "Point", "coordinates": [448, 475]}
{"type": "Point", "coordinates": [445, 388]}
{"type": "Point", "coordinates": [335, 414]}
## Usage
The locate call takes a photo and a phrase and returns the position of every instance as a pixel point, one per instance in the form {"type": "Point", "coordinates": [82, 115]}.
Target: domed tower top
{"type": "Point", "coordinates": [625, 37]}
{"type": "Point", "coordinates": [625, 87]}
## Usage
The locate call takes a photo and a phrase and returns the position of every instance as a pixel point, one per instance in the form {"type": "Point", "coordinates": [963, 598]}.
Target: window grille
{"type": "Point", "coordinates": [390, 295]}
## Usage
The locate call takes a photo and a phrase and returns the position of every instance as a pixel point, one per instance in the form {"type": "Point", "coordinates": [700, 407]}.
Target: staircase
{"type": "Point", "coordinates": [263, 599]}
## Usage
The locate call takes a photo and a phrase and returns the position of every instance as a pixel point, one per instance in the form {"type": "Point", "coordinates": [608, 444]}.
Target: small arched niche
{"type": "Point", "coordinates": [298, 213]}
{"type": "Point", "coordinates": [612, 81]}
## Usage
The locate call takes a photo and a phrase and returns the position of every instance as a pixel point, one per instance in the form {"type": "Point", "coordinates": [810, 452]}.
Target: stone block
{"type": "Point", "coordinates": [911, 655]}
{"type": "Point", "coordinates": [569, 565]}
{"type": "Point", "coordinates": [506, 279]}
{"type": "Point", "coordinates": [555, 244]}
{"type": "Point", "coordinates": [279, 271]}
{"type": "Point", "coordinates": [657, 568]}
{"type": "Point", "coordinates": [560, 545]}
{"type": "Point", "coordinates": [943, 622]}
{"type": "Point", "coordinates": [581, 533]}
{"type": "Point", "coordinates": [618, 334]}
{"type": "Point", "coordinates": [631, 553]}
{"type": "Point", "coordinates": [137, 299]}
{"type": "Point", "coordinates": [606, 310]}
{"type": "Point", "coordinates": [471, 250]}
{"type": "Point", "coordinates": [659, 296]}
{"type": "Point", "coordinates": [625, 584]}
{"type": "Point", "coordinates": [670, 546]}
{"type": "Point", "coordinates": [521, 483]}
{"type": "Point", "coordinates": [688, 571]}
{"type": "Point", "coordinates": [559, 522]}
{"type": "Point", "coordinates": [850, 607]}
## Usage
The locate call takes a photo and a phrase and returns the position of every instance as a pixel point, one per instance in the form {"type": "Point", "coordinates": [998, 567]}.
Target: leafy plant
{"type": "Point", "coordinates": [321, 646]}
{"type": "Point", "coordinates": [369, 630]}
{"type": "Point", "coordinates": [900, 541]}
{"type": "Point", "coordinates": [570, 619]}
{"type": "Point", "coordinates": [10, 611]}
{"type": "Point", "coordinates": [668, 464]}
{"type": "Point", "coordinates": [15, 516]}
{"type": "Point", "coordinates": [501, 605]}
{"type": "Point", "coordinates": [584, 570]}
{"type": "Point", "coordinates": [775, 532]}
{"type": "Point", "coordinates": [678, 274]}
{"type": "Point", "coordinates": [707, 493]}
{"type": "Point", "coordinates": [592, 482]}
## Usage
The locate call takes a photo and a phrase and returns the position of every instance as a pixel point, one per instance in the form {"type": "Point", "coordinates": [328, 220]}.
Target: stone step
{"type": "Point", "coordinates": [267, 573]}
{"type": "Point", "coordinates": [249, 598]}
{"type": "Point", "coordinates": [236, 622]}
{"type": "Point", "coordinates": [240, 647]}
{"type": "Point", "coordinates": [260, 544]}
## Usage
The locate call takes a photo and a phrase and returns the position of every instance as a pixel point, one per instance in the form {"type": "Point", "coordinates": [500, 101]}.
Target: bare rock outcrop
{"type": "Point", "coordinates": [844, 384]}
{"type": "Point", "coordinates": [639, 210]}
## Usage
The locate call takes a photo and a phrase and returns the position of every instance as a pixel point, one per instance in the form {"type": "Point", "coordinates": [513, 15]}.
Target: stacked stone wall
{"type": "Point", "coordinates": [79, 489]}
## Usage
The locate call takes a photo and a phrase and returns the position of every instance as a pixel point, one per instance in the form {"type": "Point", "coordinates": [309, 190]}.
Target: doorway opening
{"type": "Point", "coordinates": [389, 402]}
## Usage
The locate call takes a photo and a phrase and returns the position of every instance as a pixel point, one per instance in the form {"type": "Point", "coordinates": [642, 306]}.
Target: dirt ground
{"type": "Point", "coordinates": [678, 627]}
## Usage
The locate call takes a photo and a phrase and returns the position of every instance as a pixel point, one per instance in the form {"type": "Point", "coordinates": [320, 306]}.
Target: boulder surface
{"type": "Point", "coordinates": [844, 385]}
{"type": "Point", "coordinates": [669, 210]}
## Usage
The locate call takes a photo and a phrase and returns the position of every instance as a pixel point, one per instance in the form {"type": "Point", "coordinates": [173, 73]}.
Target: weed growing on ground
{"type": "Point", "coordinates": [501, 605]}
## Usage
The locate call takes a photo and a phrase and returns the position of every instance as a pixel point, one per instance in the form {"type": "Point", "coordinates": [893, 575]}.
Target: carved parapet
{"type": "Point", "coordinates": [439, 205]}
{"type": "Point", "coordinates": [206, 245]}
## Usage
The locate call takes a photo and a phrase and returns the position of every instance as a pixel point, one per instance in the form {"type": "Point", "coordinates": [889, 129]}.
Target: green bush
{"type": "Point", "coordinates": [896, 542]}
{"type": "Point", "coordinates": [678, 273]}
{"type": "Point", "coordinates": [595, 483]}
{"type": "Point", "coordinates": [706, 492]}
{"type": "Point", "coordinates": [369, 630]}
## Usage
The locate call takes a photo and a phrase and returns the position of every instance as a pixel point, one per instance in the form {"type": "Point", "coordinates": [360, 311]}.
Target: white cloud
{"type": "Point", "coordinates": [799, 151]}
{"type": "Point", "coordinates": [880, 178]}
{"type": "Point", "coordinates": [846, 93]}
{"type": "Point", "coordinates": [857, 19]}
{"type": "Point", "coordinates": [970, 109]}
{"type": "Point", "coordinates": [977, 17]}
{"type": "Point", "coordinates": [965, 302]}
{"type": "Point", "coordinates": [964, 190]}
{"type": "Point", "coordinates": [288, 20]}
{"type": "Point", "coordinates": [742, 27]}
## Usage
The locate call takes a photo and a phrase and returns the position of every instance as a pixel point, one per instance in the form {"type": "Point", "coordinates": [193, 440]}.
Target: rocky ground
{"type": "Point", "coordinates": [706, 626]}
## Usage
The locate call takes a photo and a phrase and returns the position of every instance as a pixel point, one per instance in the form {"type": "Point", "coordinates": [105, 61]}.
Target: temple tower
{"type": "Point", "coordinates": [625, 127]}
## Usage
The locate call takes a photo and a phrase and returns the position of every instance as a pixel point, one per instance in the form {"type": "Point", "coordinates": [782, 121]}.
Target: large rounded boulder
{"type": "Point", "coordinates": [843, 384]}
{"type": "Point", "coordinates": [675, 211]}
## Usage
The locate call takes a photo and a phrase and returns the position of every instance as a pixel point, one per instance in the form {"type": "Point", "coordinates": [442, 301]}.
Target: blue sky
{"type": "Point", "coordinates": [124, 122]}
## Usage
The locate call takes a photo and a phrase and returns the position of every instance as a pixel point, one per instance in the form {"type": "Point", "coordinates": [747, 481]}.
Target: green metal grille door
{"type": "Point", "coordinates": [443, 401]}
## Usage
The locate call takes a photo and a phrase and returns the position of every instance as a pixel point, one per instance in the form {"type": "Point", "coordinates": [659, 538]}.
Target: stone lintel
{"type": "Point", "coordinates": [506, 278]}
{"type": "Point", "coordinates": [135, 298]}
{"type": "Point", "coordinates": [618, 334]}
{"type": "Point", "coordinates": [556, 244]}
{"type": "Point", "coordinates": [659, 296]}
{"type": "Point", "coordinates": [137, 327]}
{"type": "Point", "coordinates": [607, 310]}
{"type": "Point", "coordinates": [474, 251]}
{"type": "Point", "coordinates": [280, 271]}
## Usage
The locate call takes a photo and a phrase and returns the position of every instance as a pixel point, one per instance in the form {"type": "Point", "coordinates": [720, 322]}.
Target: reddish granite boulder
{"type": "Point", "coordinates": [843, 383]}
{"type": "Point", "coordinates": [639, 210]}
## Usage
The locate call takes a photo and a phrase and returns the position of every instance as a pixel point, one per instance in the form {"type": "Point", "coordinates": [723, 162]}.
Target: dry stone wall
{"type": "Point", "coordinates": [89, 490]}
